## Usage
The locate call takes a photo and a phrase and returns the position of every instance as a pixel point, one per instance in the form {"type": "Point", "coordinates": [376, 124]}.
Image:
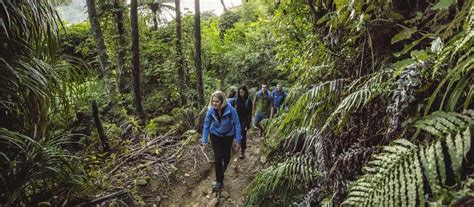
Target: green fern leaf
{"type": "Point", "coordinates": [394, 177]}
{"type": "Point", "coordinates": [284, 179]}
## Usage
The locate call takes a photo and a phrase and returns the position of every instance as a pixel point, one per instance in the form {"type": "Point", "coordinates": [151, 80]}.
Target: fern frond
{"type": "Point", "coordinates": [361, 92]}
{"type": "Point", "coordinates": [319, 98]}
{"type": "Point", "coordinates": [295, 137]}
{"type": "Point", "coordinates": [395, 176]}
{"type": "Point", "coordinates": [458, 57]}
{"type": "Point", "coordinates": [294, 94]}
{"type": "Point", "coordinates": [351, 102]}
{"type": "Point", "coordinates": [441, 123]}
{"type": "Point", "coordinates": [281, 180]}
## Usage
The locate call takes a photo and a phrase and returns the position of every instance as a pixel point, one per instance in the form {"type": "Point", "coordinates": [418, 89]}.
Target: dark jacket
{"type": "Point", "coordinates": [244, 110]}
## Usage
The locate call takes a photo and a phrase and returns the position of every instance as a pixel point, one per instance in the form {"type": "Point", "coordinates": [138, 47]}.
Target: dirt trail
{"type": "Point", "coordinates": [239, 173]}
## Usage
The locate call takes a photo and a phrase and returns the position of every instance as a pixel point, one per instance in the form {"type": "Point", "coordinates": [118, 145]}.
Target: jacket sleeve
{"type": "Point", "coordinates": [235, 119]}
{"type": "Point", "coordinates": [206, 127]}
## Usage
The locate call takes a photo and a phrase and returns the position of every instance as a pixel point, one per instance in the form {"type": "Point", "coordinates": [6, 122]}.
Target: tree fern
{"type": "Point", "coordinates": [457, 57]}
{"type": "Point", "coordinates": [395, 176]}
{"type": "Point", "coordinates": [312, 102]}
{"type": "Point", "coordinates": [361, 92]}
{"type": "Point", "coordinates": [281, 180]}
{"type": "Point", "coordinates": [442, 123]}
{"type": "Point", "coordinates": [463, 197]}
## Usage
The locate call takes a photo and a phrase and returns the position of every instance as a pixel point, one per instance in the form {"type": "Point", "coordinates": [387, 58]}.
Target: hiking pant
{"type": "Point", "coordinates": [259, 116]}
{"type": "Point", "coordinates": [222, 147]}
{"type": "Point", "coordinates": [243, 145]}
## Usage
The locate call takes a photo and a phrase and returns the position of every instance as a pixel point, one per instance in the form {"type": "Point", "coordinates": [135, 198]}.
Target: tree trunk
{"type": "Point", "coordinates": [136, 62]}
{"type": "Point", "coordinates": [197, 54]}
{"type": "Point", "coordinates": [100, 128]}
{"type": "Point", "coordinates": [98, 36]}
{"type": "Point", "coordinates": [223, 5]}
{"type": "Point", "coordinates": [122, 45]}
{"type": "Point", "coordinates": [105, 71]}
{"type": "Point", "coordinates": [154, 11]}
{"type": "Point", "coordinates": [181, 79]}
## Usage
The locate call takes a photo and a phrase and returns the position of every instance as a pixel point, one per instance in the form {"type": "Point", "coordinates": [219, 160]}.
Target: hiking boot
{"type": "Point", "coordinates": [242, 155]}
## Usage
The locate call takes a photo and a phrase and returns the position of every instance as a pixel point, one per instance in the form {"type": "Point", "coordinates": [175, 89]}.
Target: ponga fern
{"type": "Point", "coordinates": [313, 102]}
{"type": "Point", "coordinates": [359, 93]}
{"type": "Point", "coordinates": [457, 60]}
{"type": "Point", "coordinates": [320, 97]}
{"type": "Point", "coordinates": [389, 178]}
{"type": "Point", "coordinates": [282, 180]}
{"type": "Point", "coordinates": [442, 123]}
{"type": "Point", "coordinates": [395, 177]}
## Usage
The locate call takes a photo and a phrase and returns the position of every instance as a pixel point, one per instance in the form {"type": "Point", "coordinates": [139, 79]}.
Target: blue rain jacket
{"type": "Point", "coordinates": [229, 125]}
{"type": "Point", "coordinates": [278, 98]}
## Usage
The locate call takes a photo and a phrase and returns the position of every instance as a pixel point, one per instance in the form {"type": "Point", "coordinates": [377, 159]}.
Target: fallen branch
{"type": "Point", "coordinates": [207, 158]}
{"type": "Point", "coordinates": [149, 145]}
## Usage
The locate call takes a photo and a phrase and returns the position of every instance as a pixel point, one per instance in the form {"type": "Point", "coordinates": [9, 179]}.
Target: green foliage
{"type": "Point", "coordinates": [443, 4]}
{"type": "Point", "coordinates": [29, 41]}
{"type": "Point", "coordinates": [285, 180]}
{"type": "Point", "coordinates": [362, 72]}
{"type": "Point", "coordinates": [454, 70]}
{"type": "Point", "coordinates": [227, 21]}
{"type": "Point", "coordinates": [76, 40]}
{"type": "Point", "coordinates": [442, 123]}
{"type": "Point", "coordinates": [396, 175]}
{"type": "Point", "coordinates": [34, 169]}
{"type": "Point", "coordinates": [243, 55]}
{"type": "Point", "coordinates": [159, 125]}
{"type": "Point", "coordinates": [38, 91]}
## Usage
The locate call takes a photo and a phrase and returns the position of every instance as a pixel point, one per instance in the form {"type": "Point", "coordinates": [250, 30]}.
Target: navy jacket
{"type": "Point", "coordinates": [229, 125]}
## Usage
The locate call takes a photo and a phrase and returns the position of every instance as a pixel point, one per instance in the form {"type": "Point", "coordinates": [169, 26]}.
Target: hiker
{"type": "Point", "coordinates": [243, 105]}
{"type": "Point", "coordinates": [223, 125]}
{"type": "Point", "coordinates": [263, 107]}
{"type": "Point", "coordinates": [278, 97]}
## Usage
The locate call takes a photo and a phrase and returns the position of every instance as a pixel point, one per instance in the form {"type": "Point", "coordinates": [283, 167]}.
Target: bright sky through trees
{"type": "Point", "coordinates": [75, 12]}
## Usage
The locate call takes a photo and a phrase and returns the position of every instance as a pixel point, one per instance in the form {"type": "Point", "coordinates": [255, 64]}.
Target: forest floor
{"type": "Point", "coordinates": [197, 185]}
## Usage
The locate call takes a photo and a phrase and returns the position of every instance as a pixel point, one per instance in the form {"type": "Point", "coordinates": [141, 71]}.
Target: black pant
{"type": "Point", "coordinates": [222, 147]}
{"type": "Point", "coordinates": [243, 145]}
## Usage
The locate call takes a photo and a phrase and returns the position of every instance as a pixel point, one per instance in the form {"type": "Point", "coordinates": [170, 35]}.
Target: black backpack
{"type": "Point", "coordinates": [247, 102]}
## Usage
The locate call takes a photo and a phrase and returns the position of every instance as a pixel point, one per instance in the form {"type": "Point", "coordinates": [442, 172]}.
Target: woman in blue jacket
{"type": "Point", "coordinates": [223, 125]}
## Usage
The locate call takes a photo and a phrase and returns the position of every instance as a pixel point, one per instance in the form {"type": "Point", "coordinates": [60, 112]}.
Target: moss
{"type": "Point", "coordinates": [159, 125]}
{"type": "Point", "coordinates": [190, 137]}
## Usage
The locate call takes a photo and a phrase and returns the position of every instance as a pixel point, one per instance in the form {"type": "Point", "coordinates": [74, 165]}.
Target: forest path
{"type": "Point", "coordinates": [239, 173]}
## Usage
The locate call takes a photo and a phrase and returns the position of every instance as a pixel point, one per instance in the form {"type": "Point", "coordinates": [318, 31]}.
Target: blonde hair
{"type": "Point", "coordinates": [221, 97]}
